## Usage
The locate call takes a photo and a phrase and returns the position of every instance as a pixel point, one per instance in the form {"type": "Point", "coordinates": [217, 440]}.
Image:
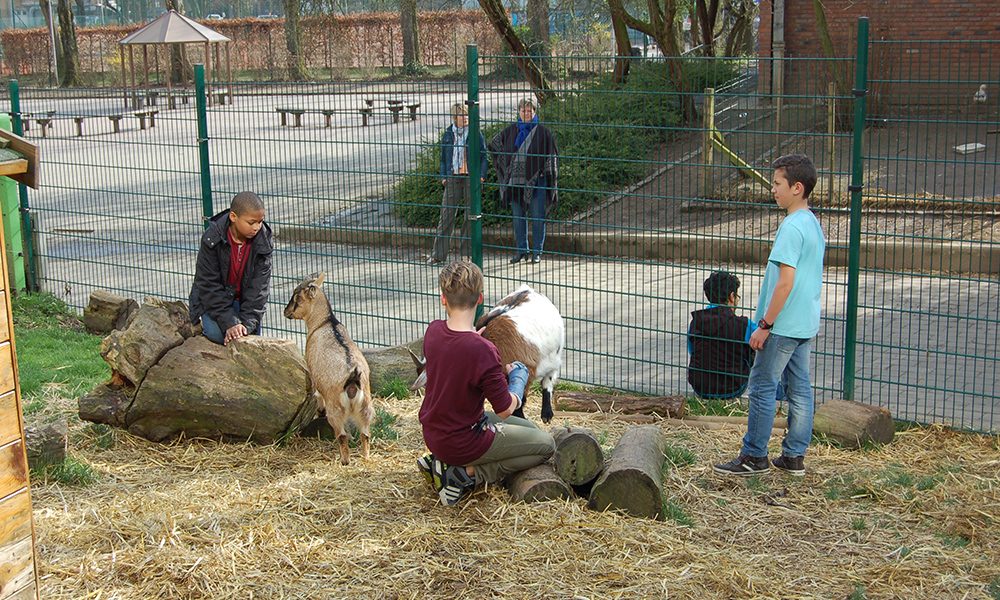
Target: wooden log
{"type": "Point", "coordinates": [852, 424]}
{"type": "Point", "coordinates": [106, 312]}
{"type": "Point", "coordinates": [46, 443]}
{"type": "Point", "coordinates": [632, 482]}
{"type": "Point", "coordinates": [779, 422]}
{"type": "Point", "coordinates": [579, 458]}
{"type": "Point", "coordinates": [538, 484]}
{"type": "Point", "coordinates": [665, 406]}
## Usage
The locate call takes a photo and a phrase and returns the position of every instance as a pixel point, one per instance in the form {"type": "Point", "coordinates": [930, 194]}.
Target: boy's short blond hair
{"type": "Point", "coordinates": [458, 110]}
{"type": "Point", "coordinates": [461, 283]}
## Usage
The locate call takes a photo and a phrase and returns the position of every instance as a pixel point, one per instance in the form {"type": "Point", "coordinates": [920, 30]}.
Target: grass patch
{"type": "Point", "coordinates": [393, 387]}
{"type": "Point", "coordinates": [70, 472]}
{"type": "Point", "coordinates": [605, 135]}
{"type": "Point", "coordinates": [54, 352]}
{"type": "Point", "coordinates": [894, 475]}
{"type": "Point", "coordinates": [673, 512]}
{"type": "Point", "coordinates": [382, 426]}
{"type": "Point", "coordinates": [993, 589]}
{"type": "Point", "coordinates": [859, 524]}
{"type": "Point", "coordinates": [844, 487]}
{"type": "Point", "coordinates": [679, 457]}
{"type": "Point", "coordinates": [954, 541]}
{"type": "Point", "coordinates": [716, 407]}
{"type": "Point", "coordinates": [859, 593]}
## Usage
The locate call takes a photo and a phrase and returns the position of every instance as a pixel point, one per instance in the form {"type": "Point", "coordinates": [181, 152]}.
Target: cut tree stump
{"type": "Point", "coordinates": [46, 443]}
{"type": "Point", "coordinates": [106, 312]}
{"type": "Point", "coordinates": [632, 482]}
{"type": "Point", "coordinates": [538, 484]}
{"type": "Point", "coordinates": [579, 458]}
{"type": "Point", "coordinates": [664, 406]}
{"type": "Point", "coordinates": [852, 424]}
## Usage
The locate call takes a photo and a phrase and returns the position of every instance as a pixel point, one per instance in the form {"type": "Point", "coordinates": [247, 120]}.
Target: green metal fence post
{"type": "Point", "coordinates": [204, 165]}
{"type": "Point", "coordinates": [857, 175]}
{"type": "Point", "coordinates": [31, 272]}
{"type": "Point", "coordinates": [475, 212]}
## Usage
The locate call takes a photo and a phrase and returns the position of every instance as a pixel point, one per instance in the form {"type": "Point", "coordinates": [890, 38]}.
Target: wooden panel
{"type": "Point", "coordinates": [6, 368]}
{"type": "Point", "coordinates": [13, 468]}
{"type": "Point", "coordinates": [10, 422]}
{"type": "Point", "coordinates": [4, 326]}
{"type": "Point", "coordinates": [25, 593]}
{"type": "Point", "coordinates": [15, 518]}
{"type": "Point", "coordinates": [29, 151]}
{"type": "Point", "coordinates": [17, 569]}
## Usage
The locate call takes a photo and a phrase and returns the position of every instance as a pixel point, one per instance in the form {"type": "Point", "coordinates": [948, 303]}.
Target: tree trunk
{"type": "Point", "coordinates": [633, 479]}
{"type": "Point", "coordinates": [538, 484]}
{"type": "Point", "coordinates": [739, 40]}
{"type": "Point", "coordinates": [853, 424]}
{"type": "Point", "coordinates": [293, 41]}
{"type": "Point", "coordinates": [69, 63]}
{"type": "Point", "coordinates": [538, 24]}
{"type": "Point", "coordinates": [106, 312]}
{"type": "Point", "coordinates": [411, 36]}
{"type": "Point", "coordinates": [532, 73]}
{"type": "Point", "coordinates": [579, 458]}
{"type": "Point", "coordinates": [181, 70]}
{"type": "Point", "coordinates": [46, 10]}
{"type": "Point", "coordinates": [661, 27]}
{"type": "Point", "coordinates": [708, 13]}
{"type": "Point", "coordinates": [623, 45]}
{"type": "Point", "coordinates": [665, 406]}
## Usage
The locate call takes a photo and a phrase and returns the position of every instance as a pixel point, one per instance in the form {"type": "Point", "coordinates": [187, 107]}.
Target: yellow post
{"type": "Point", "coordinates": [707, 143]}
{"type": "Point", "coordinates": [831, 127]}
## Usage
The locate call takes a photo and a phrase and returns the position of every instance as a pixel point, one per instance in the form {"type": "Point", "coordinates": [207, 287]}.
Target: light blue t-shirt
{"type": "Point", "coordinates": [799, 243]}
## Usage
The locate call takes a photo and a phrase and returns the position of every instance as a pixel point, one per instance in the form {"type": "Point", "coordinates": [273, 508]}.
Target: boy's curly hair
{"type": "Point", "coordinates": [461, 283]}
{"type": "Point", "coordinates": [720, 285]}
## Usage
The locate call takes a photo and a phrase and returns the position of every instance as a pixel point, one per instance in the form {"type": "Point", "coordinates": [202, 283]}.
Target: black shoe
{"type": "Point", "coordinates": [536, 258]}
{"type": "Point", "coordinates": [456, 485]}
{"type": "Point", "coordinates": [793, 465]}
{"type": "Point", "coordinates": [518, 258]}
{"type": "Point", "coordinates": [743, 465]}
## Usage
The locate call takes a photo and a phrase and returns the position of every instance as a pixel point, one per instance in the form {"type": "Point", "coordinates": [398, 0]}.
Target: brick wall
{"type": "Point", "coordinates": [943, 49]}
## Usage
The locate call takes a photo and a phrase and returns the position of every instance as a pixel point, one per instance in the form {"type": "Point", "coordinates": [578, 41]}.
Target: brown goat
{"type": "Point", "coordinates": [338, 369]}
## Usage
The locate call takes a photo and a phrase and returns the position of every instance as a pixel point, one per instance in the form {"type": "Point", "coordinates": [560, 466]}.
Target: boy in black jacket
{"type": "Point", "coordinates": [233, 273]}
{"type": "Point", "coordinates": [718, 341]}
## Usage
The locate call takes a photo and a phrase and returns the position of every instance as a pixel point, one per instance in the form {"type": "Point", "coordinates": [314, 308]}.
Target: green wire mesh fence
{"type": "Point", "coordinates": [663, 177]}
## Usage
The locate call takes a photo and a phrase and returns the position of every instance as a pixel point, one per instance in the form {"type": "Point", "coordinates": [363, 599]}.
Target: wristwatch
{"type": "Point", "coordinates": [762, 324]}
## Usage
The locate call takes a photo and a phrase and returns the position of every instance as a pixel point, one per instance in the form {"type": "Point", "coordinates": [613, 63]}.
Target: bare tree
{"type": "Point", "coordinates": [69, 63]}
{"type": "Point", "coordinates": [46, 10]}
{"type": "Point", "coordinates": [538, 24]}
{"type": "Point", "coordinates": [497, 16]}
{"type": "Point", "coordinates": [181, 70]}
{"type": "Point", "coordinates": [662, 27]}
{"type": "Point", "coordinates": [411, 36]}
{"type": "Point", "coordinates": [739, 39]}
{"type": "Point", "coordinates": [708, 13]}
{"type": "Point", "coordinates": [293, 41]}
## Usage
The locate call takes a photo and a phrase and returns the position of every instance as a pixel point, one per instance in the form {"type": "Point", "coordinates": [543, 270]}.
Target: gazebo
{"type": "Point", "coordinates": [173, 28]}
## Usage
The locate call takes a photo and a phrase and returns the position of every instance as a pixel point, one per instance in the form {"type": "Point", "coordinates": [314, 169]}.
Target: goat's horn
{"type": "Point", "coordinates": [419, 362]}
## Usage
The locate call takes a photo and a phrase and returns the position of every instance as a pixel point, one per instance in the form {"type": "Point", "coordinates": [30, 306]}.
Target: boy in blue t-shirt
{"type": "Point", "coordinates": [788, 312]}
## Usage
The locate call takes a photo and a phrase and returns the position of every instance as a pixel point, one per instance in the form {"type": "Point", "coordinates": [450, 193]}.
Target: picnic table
{"type": "Point", "coordinates": [394, 106]}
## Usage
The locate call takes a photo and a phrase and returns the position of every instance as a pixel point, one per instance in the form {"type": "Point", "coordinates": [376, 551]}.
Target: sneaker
{"type": "Point", "coordinates": [518, 258]}
{"type": "Point", "coordinates": [426, 465]}
{"type": "Point", "coordinates": [536, 258]}
{"type": "Point", "coordinates": [457, 485]}
{"type": "Point", "coordinates": [793, 465]}
{"type": "Point", "coordinates": [743, 465]}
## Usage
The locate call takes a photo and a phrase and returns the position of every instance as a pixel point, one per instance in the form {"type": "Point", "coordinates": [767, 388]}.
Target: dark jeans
{"type": "Point", "coordinates": [536, 210]}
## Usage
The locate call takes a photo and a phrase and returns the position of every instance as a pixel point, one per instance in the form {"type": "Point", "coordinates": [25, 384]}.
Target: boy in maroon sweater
{"type": "Point", "coordinates": [470, 446]}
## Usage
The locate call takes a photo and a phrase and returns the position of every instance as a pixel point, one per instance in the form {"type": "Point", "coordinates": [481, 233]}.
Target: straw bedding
{"type": "Point", "coordinates": [199, 519]}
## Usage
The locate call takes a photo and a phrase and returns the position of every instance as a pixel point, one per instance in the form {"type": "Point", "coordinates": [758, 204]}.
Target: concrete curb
{"type": "Point", "coordinates": [974, 258]}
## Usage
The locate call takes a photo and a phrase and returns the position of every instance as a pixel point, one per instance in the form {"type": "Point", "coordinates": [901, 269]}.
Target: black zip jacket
{"type": "Point", "coordinates": [210, 294]}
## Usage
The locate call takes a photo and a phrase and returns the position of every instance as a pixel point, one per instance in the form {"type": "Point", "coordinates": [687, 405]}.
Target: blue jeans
{"type": "Point", "coordinates": [782, 361]}
{"type": "Point", "coordinates": [214, 332]}
{"type": "Point", "coordinates": [536, 210]}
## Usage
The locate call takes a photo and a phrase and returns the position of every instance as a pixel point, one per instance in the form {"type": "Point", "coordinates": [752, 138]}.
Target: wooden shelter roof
{"type": "Point", "coordinates": [173, 28]}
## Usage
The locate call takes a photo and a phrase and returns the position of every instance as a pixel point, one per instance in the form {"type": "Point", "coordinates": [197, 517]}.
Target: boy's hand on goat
{"type": "Point", "coordinates": [234, 332]}
{"type": "Point", "coordinates": [517, 380]}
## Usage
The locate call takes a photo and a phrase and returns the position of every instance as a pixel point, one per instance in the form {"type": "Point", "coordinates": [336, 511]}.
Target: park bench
{"type": "Point", "coordinates": [47, 119]}
{"type": "Point", "coordinates": [284, 113]}
{"type": "Point", "coordinates": [395, 106]}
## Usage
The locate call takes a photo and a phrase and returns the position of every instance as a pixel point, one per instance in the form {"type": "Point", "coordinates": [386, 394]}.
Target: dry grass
{"type": "Point", "coordinates": [198, 519]}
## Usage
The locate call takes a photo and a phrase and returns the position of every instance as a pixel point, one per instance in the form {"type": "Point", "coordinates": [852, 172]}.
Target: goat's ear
{"type": "Point", "coordinates": [417, 361]}
{"type": "Point", "coordinates": [320, 277]}
{"type": "Point", "coordinates": [311, 290]}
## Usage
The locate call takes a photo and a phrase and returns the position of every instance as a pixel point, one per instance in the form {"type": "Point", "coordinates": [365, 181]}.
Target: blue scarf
{"type": "Point", "coordinates": [523, 129]}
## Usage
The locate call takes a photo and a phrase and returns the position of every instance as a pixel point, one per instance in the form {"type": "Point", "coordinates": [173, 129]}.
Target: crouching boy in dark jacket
{"type": "Point", "coordinates": [233, 274]}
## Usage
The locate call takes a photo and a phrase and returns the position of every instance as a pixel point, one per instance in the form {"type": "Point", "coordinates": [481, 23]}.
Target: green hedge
{"type": "Point", "coordinates": [605, 136]}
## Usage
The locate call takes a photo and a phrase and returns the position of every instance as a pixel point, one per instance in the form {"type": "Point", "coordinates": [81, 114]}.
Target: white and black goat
{"type": "Point", "coordinates": [338, 369]}
{"type": "Point", "coordinates": [527, 327]}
